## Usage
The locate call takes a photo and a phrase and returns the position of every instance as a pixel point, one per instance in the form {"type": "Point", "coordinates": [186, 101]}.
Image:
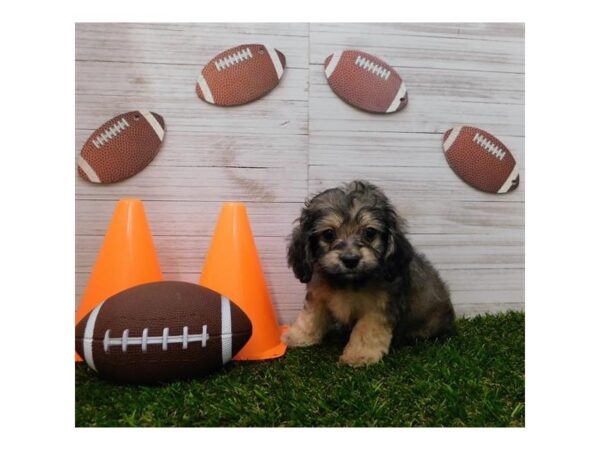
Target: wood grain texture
{"type": "Point", "coordinates": [301, 138]}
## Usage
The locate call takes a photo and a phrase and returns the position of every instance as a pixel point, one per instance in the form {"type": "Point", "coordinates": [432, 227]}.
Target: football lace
{"type": "Point", "coordinates": [489, 146]}
{"type": "Point", "coordinates": [370, 66]}
{"type": "Point", "coordinates": [113, 131]}
{"type": "Point", "coordinates": [164, 340]}
{"type": "Point", "coordinates": [233, 59]}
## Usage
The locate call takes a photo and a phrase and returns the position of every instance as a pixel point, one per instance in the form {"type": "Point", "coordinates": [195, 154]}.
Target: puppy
{"type": "Point", "coordinates": [350, 249]}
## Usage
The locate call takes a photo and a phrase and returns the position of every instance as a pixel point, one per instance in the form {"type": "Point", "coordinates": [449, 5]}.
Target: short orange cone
{"type": "Point", "coordinates": [233, 269]}
{"type": "Point", "coordinates": [127, 258]}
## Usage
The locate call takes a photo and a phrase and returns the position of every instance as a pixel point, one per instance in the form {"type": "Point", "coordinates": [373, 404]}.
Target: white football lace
{"type": "Point", "coordinates": [164, 340]}
{"type": "Point", "coordinates": [489, 146]}
{"type": "Point", "coordinates": [233, 59]}
{"type": "Point", "coordinates": [372, 67]}
{"type": "Point", "coordinates": [107, 135]}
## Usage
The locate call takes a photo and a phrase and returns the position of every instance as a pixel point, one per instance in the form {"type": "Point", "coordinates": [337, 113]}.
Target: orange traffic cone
{"type": "Point", "coordinates": [127, 258]}
{"type": "Point", "coordinates": [233, 269]}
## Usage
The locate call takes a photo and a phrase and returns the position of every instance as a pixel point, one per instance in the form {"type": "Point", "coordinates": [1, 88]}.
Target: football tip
{"type": "Point", "coordinates": [514, 184]}
{"type": "Point", "coordinates": [82, 174]}
{"type": "Point", "coordinates": [241, 321]}
{"type": "Point", "coordinates": [79, 333]}
{"type": "Point", "coordinates": [86, 171]}
{"type": "Point", "coordinates": [281, 58]}
{"type": "Point", "coordinates": [403, 102]}
{"type": "Point", "coordinates": [159, 119]}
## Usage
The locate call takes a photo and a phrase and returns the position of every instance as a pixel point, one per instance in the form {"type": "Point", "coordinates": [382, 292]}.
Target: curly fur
{"type": "Point", "coordinates": [349, 247]}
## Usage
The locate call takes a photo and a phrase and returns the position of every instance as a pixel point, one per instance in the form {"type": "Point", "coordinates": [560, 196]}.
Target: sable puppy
{"type": "Point", "coordinates": [350, 249]}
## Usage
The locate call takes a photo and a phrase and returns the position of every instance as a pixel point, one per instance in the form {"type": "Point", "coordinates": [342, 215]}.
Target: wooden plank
{"type": "Point", "coordinates": [190, 218]}
{"type": "Point", "coordinates": [186, 254]}
{"type": "Point", "coordinates": [473, 251]}
{"type": "Point", "coordinates": [219, 184]}
{"type": "Point", "coordinates": [435, 52]}
{"type": "Point", "coordinates": [265, 117]}
{"type": "Point", "coordinates": [452, 85]}
{"type": "Point", "coordinates": [476, 309]}
{"type": "Point", "coordinates": [390, 149]}
{"type": "Point", "coordinates": [425, 113]}
{"type": "Point", "coordinates": [197, 218]}
{"type": "Point", "coordinates": [432, 216]}
{"type": "Point", "coordinates": [199, 149]}
{"type": "Point", "coordinates": [484, 280]}
{"type": "Point", "coordinates": [185, 43]}
{"type": "Point", "coordinates": [491, 298]}
{"type": "Point", "coordinates": [410, 183]}
{"type": "Point", "coordinates": [479, 31]}
{"type": "Point", "coordinates": [159, 83]}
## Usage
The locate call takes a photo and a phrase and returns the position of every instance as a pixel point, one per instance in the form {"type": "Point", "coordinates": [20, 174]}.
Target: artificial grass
{"type": "Point", "coordinates": [475, 378]}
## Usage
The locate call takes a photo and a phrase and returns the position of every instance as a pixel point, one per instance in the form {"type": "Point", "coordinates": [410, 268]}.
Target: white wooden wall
{"type": "Point", "coordinates": [301, 138]}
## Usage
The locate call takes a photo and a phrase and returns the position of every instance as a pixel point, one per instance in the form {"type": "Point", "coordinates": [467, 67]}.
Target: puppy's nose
{"type": "Point", "coordinates": [350, 260]}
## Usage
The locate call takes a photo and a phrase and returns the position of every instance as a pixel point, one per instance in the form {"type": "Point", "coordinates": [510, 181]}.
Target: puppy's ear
{"type": "Point", "coordinates": [399, 252]}
{"type": "Point", "coordinates": [299, 255]}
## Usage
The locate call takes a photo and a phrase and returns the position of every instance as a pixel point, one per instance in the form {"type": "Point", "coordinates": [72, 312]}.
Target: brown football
{"type": "Point", "coordinates": [480, 159]}
{"type": "Point", "coordinates": [161, 331]}
{"type": "Point", "coordinates": [240, 75]}
{"type": "Point", "coordinates": [121, 147]}
{"type": "Point", "coordinates": [365, 81]}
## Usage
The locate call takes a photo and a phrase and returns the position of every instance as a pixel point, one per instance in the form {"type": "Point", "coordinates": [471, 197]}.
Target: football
{"type": "Point", "coordinates": [161, 331]}
{"type": "Point", "coordinates": [240, 75]}
{"type": "Point", "coordinates": [480, 159]}
{"type": "Point", "coordinates": [365, 81]}
{"type": "Point", "coordinates": [121, 147]}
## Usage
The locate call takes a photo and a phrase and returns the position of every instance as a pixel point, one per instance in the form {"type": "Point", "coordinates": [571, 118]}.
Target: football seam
{"type": "Point", "coordinates": [158, 129]}
{"type": "Point", "coordinates": [237, 333]}
{"type": "Point", "coordinates": [88, 170]}
{"type": "Point", "coordinates": [514, 173]}
{"type": "Point", "coordinates": [333, 62]}
{"type": "Point", "coordinates": [275, 61]}
{"type": "Point", "coordinates": [205, 89]}
{"type": "Point", "coordinates": [398, 98]}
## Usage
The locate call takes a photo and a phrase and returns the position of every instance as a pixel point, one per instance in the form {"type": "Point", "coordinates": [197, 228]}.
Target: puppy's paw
{"type": "Point", "coordinates": [361, 357]}
{"type": "Point", "coordinates": [295, 337]}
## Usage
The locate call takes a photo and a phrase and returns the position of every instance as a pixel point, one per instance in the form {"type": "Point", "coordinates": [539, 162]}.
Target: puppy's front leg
{"type": "Point", "coordinates": [369, 342]}
{"type": "Point", "coordinates": [310, 326]}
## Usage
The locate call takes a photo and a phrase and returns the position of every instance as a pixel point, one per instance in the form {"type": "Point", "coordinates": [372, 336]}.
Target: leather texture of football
{"type": "Point", "coordinates": [365, 81]}
{"type": "Point", "coordinates": [480, 159]}
{"type": "Point", "coordinates": [121, 147]}
{"type": "Point", "coordinates": [240, 75]}
{"type": "Point", "coordinates": [161, 331]}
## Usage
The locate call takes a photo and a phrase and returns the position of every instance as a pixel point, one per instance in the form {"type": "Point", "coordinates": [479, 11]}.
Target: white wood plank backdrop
{"type": "Point", "coordinates": [301, 138]}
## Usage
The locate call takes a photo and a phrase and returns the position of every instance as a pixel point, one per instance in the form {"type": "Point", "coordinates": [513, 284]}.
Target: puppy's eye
{"type": "Point", "coordinates": [369, 234]}
{"type": "Point", "coordinates": [328, 236]}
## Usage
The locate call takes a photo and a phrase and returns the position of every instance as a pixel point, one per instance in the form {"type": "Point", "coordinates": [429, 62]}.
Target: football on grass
{"type": "Point", "coordinates": [161, 331]}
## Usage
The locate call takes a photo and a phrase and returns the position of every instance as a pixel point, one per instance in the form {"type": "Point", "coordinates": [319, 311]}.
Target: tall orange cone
{"type": "Point", "coordinates": [127, 257]}
{"type": "Point", "coordinates": [233, 269]}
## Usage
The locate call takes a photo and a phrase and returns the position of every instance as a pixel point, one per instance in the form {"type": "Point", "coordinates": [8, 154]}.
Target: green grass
{"type": "Point", "coordinates": [474, 378]}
